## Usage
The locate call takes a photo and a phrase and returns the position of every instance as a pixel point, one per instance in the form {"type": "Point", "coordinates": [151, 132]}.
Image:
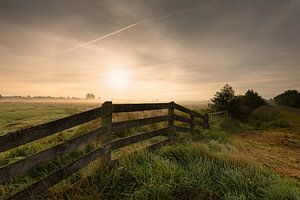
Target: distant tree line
{"type": "Point", "coordinates": [87, 96]}
{"type": "Point", "coordinates": [35, 97]}
{"type": "Point", "coordinates": [90, 96]}
{"type": "Point", "coordinates": [289, 98]}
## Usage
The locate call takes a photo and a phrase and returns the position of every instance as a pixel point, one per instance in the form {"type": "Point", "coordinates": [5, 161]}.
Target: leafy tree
{"type": "Point", "coordinates": [289, 98]}
{"type": "Point", "coordinates": [0, 96]}
{"type": "Point", "coordinates": [90, 96]}
{"type": "Point", "coordinates": [225, 100]}
{"type": "Point", "coordinates": [252, 100]}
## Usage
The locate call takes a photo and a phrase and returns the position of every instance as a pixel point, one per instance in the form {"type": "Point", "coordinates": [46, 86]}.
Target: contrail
{"type": "Point", "coordinates": [131, 26]}
{"type": "Point", "coordinates": [103, 37]}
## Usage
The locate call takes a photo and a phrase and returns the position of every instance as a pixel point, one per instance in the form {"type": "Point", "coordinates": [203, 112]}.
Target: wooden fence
{"type": "Point", "coordinates": [105, 113]}
{"type": "Point", "coordinates": [214, 116]}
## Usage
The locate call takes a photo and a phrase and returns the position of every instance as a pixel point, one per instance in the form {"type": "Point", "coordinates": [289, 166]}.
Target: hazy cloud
{"type": "Point", "coordinates": [170, 49]}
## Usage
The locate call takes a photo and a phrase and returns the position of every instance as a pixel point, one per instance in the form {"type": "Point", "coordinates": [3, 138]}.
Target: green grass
{"type": "Point", "coordinates": [263, 118]}
{"type": "Point", "coordinates": [17, 115]}
{"type": "Point", "coordinates": [291, 114]}
{"type": "Point", "coordinates": [184, 171]}
{"type": "Point", "coordinates": [203, 166]}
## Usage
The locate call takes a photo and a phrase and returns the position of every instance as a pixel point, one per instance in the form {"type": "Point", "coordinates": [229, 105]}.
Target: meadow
{"type": "Point", "coordinates": [257, 159]}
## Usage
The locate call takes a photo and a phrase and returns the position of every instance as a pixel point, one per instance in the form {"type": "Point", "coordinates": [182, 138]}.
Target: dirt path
{"type": "Point", "coordinates": [277, 149]}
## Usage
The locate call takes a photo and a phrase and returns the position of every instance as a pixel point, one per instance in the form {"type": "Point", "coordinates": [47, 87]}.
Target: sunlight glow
{"type": "Point", "coordinates": [118, 78]}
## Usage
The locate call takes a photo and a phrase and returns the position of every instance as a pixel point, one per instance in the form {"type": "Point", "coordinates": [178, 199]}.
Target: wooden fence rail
{"type": "Point", "coordinates": [105, 133]}
{"type": "Point", "coordinates": [213, 116]}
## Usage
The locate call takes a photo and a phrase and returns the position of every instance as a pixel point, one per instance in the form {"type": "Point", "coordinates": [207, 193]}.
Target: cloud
{"type": "Point", "coordinates": [172, 48]}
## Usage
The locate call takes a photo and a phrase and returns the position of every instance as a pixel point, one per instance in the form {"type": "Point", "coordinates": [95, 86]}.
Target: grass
{"type": "Point", "coordinates": [17, 115]}
{"type": "Point", "coordinates": [204, 166]}
{"type": "Point", "coordinates": [267, 117]}
{"type": "Point", "coordinates": [263, 118]}
{"type": "Point", "coordinates": [192, 170]}
{"type": "Point", "coordinates": [272, 138]}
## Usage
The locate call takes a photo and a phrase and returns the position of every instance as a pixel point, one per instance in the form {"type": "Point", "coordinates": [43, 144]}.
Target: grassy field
{"type": "Point", "coordinates": [16, 115]}
{"type": "Point", "coordinates": [232, 160]}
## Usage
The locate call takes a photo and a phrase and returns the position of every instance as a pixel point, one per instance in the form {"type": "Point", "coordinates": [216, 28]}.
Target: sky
{"type": "Point", "coordinates": [148, 49]}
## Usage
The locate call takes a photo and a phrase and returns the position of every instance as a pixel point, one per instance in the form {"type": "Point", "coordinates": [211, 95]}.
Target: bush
{"type": "Point", "coordinates": [274, 124]}
{"type": "Point", "coordinates": [251, 101]}
{"type": "Point", "coordinates": [237, 106]}
{"type": "Point", "coordinates": [265, 114]}
{"type": "Point", "coordinates": [267, 117]}
{"type": "Point", "coordinates": [289, 98]}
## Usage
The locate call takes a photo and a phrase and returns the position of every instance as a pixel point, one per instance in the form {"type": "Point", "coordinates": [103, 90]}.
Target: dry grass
{"type": "Point", "coordinates": [278, 150]}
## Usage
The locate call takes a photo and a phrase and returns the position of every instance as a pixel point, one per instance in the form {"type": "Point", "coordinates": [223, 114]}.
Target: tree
{"type": "Point", "coordinates": [249, 102]}
{"type": "Point", "coordinates": [0, 96]}
{"type": "Point", "coordinates": [289, 98]}
{"type": "Point", "coordinates": [225, 100]}
{"type": "Point", "coordinates": [252, 100]}
{"type": "Point", "coordinates": [90, 96]}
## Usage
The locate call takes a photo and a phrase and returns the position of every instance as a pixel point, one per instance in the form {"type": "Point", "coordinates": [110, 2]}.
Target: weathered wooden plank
{"type": "Point", "coordinates": [198, 115]}
{"type": "Point", "coordinates": [182, 108]}
{"type": "Point", "coordinates": [137, 138]}
{"type": "Point", "coordinates": [171, 118]}
{"type": "Point", "coordinates": [149, 148]}
{"type": "Point", "coordinates": [206, 121]}
{"type": "Point", "coordinates": [59, 175]}
{"type": "Point", "coordinates": [182, 129]}
{"type": "Point", "coordinates": [192, 123]}
{"type": "Point", "coordinates": [20, 167]}
{"type": "Point", "coordinates": [117, 126]}
{"type": "Point", "coordinates": [24, 136]}
{"type": "Point", "coordinates": [159, 144]}
{"type": "Point", "coordinates": [107, 125]}
{"type": "Point", "coordinates": [117, 108]}
{"type": "Point", "coordinates": [182, 119]}
{"type": "Point", "coordinates": [188, 111]}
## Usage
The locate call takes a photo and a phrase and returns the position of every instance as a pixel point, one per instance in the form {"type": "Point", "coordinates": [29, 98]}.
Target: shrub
{"type": "Point", "coordinates": [274, 124]}
{"type": "Point", "coordinates": [289, 98]}
{"type": "Point", "coordinates": [265, 114]}
{"type": "Point", "coordinates": [267, 117]}
{"type": "Point", "coordinates": [251, 101]}
{"type": "Point", "coordinates": [237, 106]}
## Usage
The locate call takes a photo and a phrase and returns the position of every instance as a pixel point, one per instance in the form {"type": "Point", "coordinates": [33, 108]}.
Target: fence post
{"type": "Point", "coordinates": [107, 125]}
{"type": "Point", "coordinates": [205, 121]}
{"type": "Point", "coordinates": [192, 122]}
{"type": "Point", "coordinates": [171, 119]}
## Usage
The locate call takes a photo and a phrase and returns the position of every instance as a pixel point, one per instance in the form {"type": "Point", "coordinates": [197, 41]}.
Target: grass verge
{"type": "Point", "coordinates": [206, 166]}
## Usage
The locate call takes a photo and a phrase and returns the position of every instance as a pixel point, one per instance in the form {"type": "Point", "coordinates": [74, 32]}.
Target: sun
{"type": "Point", "coordinates": [118, 78]}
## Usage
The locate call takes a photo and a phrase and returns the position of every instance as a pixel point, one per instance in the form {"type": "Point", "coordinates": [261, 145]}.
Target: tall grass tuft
{"type": "Point", "coordinates": [186, 171]}
{"type": "Point", "coordinates": [267, 117]}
